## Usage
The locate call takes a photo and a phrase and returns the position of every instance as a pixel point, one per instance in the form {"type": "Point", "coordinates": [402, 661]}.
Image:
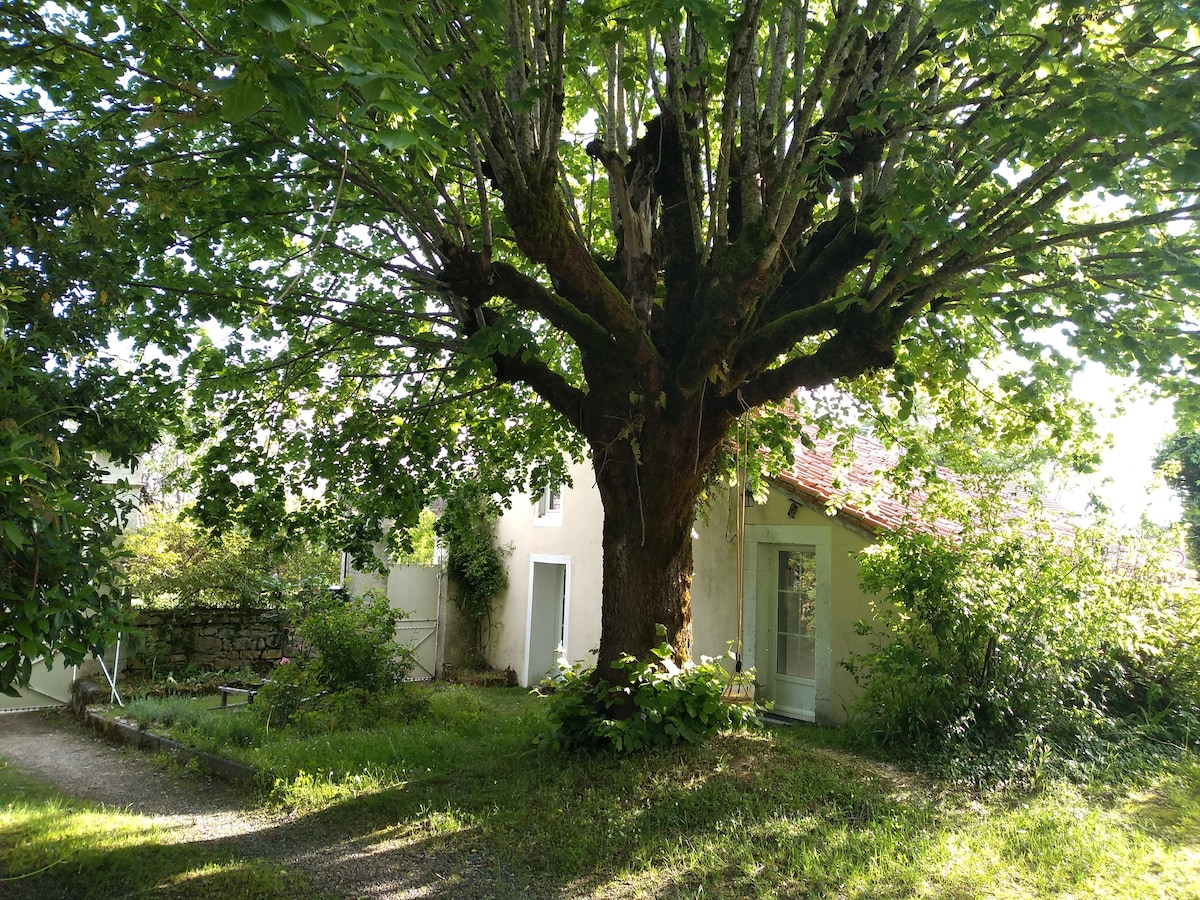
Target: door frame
{"type": "Point", "coordinates": [757, 609]}
{"type": "Point", "coordinates": [552, 559]}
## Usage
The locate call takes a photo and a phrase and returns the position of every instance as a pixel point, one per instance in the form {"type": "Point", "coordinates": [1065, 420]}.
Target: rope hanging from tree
{"type": "Point", "coordinates": [740, 688]}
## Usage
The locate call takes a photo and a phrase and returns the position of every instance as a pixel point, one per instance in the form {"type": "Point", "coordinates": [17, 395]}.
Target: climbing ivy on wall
{"type": "Point", "coordinates": [474, 561]}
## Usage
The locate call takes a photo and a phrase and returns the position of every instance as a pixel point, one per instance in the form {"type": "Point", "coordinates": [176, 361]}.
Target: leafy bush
{"type": "Point", "coordinates": [355, 644]}
{"type": "Point", "coordinates": [669, 704]}
{"type": "Point", "coordinates": [357, 710]}
{"type": "Point", "coordinates": [294, 697]}
{"type": "Point", "coordinates": [474, 562]}
{"type": "Point", "coordinates": [71, 421]}
{"type": "Point", "coordinates": [351, 666]}
{"type": "Point", "coordinates": [1013, 641]}
{"type": "Point", "coordinates": [281, 698]}
{"type": "Point", "coordinates": [175, 562]}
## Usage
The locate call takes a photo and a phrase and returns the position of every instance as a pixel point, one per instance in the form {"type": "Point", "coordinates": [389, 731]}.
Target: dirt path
{"type": "Point", "coordinates": [194, 807]}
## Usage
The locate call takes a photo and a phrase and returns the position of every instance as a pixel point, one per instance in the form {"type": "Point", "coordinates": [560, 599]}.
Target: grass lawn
{"type": "Point", "coordinates": [780, 812]}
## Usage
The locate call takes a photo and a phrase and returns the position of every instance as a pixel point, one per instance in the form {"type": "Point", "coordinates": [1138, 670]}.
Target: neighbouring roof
{"type": "Point", "coordinates": [853, 487]}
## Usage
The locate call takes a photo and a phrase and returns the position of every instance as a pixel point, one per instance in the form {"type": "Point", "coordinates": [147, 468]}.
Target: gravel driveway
{"type": "Point", "coordinates": [198, 808]}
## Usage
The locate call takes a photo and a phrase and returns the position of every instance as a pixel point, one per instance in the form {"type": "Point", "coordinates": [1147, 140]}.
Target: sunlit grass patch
{"type": "Point", "coordinates": [234, 878]}
{"type": "Point", "coordinates": [54, 846]}
{"type": "Point", "coordinates": [442, 822]}
{"type": "Point", "coordinates": [1170, 804]}
{"type": "Point", "coordinates": [40, 835]}
{"type": "Point", "coordinates": [307, 791]}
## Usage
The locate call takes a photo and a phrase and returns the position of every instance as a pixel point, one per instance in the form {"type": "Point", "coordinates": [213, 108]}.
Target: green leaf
{"type": "Point", "coordinates": [14, 535]}
{"type": "Point", "coordinates": [273, 15]}
{"type": "Point", "coordinates": [243, 100]}
{"type": "Point", "coordinates": [397, 138]}
{"type": "Point", "coordinates": [305, 14]}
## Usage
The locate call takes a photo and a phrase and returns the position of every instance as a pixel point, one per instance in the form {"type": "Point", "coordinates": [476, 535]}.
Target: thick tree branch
{"type": "Point", "coordinates": [560, 395]}
{"type": "Point", "coordinates": [544, 233]}
{"type": "Point", "coordinates": [803, 306]}
{"type": "Point", "coordinates": [528, 294]}
{"type": "Point", "coordinates": [861, 344]}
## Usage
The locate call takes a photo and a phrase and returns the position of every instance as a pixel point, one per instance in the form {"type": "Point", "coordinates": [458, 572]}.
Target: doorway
{"type": "Point", "coordinates": [546, 632]}
{"type": "Point", "coordinates": [792, 628]}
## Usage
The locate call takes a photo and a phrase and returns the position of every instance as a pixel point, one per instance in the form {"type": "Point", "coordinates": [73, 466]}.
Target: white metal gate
{"type": "Point", "coordinates": [417, 591]}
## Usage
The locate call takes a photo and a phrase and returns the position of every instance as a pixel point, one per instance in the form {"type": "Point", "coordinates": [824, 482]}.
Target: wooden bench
{"type": "Point", "coordinates": [227, 689]}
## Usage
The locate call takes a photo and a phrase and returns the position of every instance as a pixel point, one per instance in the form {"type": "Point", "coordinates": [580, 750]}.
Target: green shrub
{"type": "Point", "coordinates": [281, 698]}
{"type": "Point", "coordinates": [295, 700]}
{"type": "Point", "coordinates": [669, 704]}
{"type": "Point", "coordinates": [358, 710]}
{"type": "Point", "coordinates": [355, 644]}
{"type": "Point", "coordinates": [175, 562]}
{"type": "Point", "coordinates": [350, 664]}
{"type": "Point", "coordinates": [1013, 644]}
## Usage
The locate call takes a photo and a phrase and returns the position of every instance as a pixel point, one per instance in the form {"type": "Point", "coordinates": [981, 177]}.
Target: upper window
{"type": "Point", "coordinates": [549, 507]}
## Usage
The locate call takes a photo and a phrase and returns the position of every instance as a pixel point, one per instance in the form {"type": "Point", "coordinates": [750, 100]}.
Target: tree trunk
{"type": "Point", "coordinates": [649, 498]}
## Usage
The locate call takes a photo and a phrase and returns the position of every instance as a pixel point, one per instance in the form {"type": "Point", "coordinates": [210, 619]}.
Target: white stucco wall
{"type": "Point", "coordinates": [575, 540]}
{"type": "Point", "coordinates": [577, 543]}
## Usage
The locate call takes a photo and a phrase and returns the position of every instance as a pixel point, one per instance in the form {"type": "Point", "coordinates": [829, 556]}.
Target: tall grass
{"type": "Point", "coordinates": [197, 722]}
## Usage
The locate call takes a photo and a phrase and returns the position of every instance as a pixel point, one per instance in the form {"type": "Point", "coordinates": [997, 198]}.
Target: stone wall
{"type": "Point", "coordinates": [211, 639]}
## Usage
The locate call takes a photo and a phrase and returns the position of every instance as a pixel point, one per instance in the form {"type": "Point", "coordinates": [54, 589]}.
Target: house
{"type": "Point", "coordinates": [801, 595]}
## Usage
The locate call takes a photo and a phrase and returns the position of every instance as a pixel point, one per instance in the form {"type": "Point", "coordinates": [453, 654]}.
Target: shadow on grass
{"type": "Point", "coordinates": [310, 856]}
{"type": "Point", "coordinates": [744, 815]}
{"type": "Point", "coordinates": [739, 816]}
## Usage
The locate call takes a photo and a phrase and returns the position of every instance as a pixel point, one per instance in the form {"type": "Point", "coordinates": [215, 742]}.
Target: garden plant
{"type": "Point", "coordinates": [1023, 644]}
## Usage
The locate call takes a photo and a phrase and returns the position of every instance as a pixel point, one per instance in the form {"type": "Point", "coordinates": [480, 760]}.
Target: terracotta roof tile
{"type": "Point", "coordinates": [855, 488]}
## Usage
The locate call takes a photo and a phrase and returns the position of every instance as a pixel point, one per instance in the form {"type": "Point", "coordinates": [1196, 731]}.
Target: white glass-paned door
{"type": "Point", "coordinates": [796, 603]}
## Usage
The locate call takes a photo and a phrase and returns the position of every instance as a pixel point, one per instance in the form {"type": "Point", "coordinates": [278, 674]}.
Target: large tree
{"type": "Point", "coordinates": [445, 236]}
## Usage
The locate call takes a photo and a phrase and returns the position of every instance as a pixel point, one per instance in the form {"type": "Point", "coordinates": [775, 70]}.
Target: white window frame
{"type": "Point", "coordinates": [546, 511]}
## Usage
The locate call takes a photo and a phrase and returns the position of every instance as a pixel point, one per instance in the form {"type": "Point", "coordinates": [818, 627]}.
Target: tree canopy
{"type": "Point", "coordinates": [65, 430]}
{"type": "Point", "coordinates": [439, 237]}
